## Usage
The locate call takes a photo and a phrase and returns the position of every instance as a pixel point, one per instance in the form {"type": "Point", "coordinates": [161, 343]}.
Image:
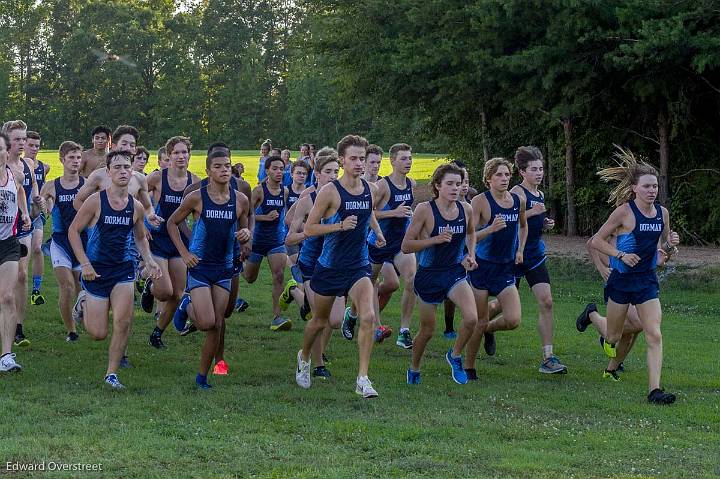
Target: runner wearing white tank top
{"type": "Point", "coordinates": [13, 210]}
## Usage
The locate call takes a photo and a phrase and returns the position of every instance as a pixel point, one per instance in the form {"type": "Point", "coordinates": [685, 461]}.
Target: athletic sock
{"type": "Point", "coordinates": [37, 282]}
{"type": "Point", "coordinates": [404, 330]}
{"type": "Point", "coordinates": [18, 329]}
{"type": "Point", "coordinates": [452, 355]}
{"type": "Point", "coordinates": [547, 351]}
{"type": "Point", "coordinates": [157, 331]}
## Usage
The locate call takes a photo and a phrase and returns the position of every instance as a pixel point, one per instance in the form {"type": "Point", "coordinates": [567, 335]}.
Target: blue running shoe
{"type": "Point", "coordinates": [413, 377]}
{"type": "Point", "coordinates": [125, 363]}
{"type": "Point", "coordinates": [241, 305]}
{"type": "Point", "coordinates": [180, 316]}
{"type": "Point", "coordinates": [458, 373]}
{"type": "Point", "coordinates": [113, 381]}
{"type": "Point", "coordinates": [450, 335]}
{"type": "Point", "coordinates": [201, 382]}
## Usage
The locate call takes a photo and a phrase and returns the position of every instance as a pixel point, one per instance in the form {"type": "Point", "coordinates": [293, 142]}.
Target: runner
{"type": "Point", "coordinates": [438, 233]}
{"type": "Point", "coordinates": [395, 199]}
{"type": "Point", "coordinates": [529, 162]}
{"type": "Point", "coordinates": [94, 158]}
{"type": "Point", "coordinates": [32, 147]}
{"type": "Point", "coordinates": [140, 159]}
{"type": "Point", "coordinates": [268, 202]}
{"type": "Point", "coordinates": [60, 193]}
{"type": "Point", "coordinates": [639, 224]}
{"type": "Point", "coordinates": [327, 167]}
{"type": "Point", "coordinates": [163, 159]}
{"type": "Point", "coordinates": [108, 270]}
{"type": "Point", "coordinates": [500, 246]}
{"type": "Point", "coordinates": [264, 155]}
{"type": "Point", "coordinates": [342, 213]}
{"type": "Point", "coordinates": [13, 209]}
{"type": "Point", "coordinates": [167, 188]}
{"type": "Point", "coordinates": [17, 133]}
{"type": "Point", "coordinates": [467, 193]}
{"type": "Point", "coordinates": [221, 214]}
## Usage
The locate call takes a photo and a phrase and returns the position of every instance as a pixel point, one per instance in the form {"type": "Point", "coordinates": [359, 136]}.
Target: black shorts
{"type": "Point", "coordinates": [9, 250]}
{"type": "Point", "coordinates": [538, 275]}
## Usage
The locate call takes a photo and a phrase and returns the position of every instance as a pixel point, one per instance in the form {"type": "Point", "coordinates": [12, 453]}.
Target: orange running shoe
{"type": "Point", "coordinates": [221, 368]}
{"type": "Point", "coordinates": [382, 332]}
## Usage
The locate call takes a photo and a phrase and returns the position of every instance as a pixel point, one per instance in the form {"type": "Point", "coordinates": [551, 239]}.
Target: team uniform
{"type": "Point", "coordinates": [638, 284]}
{"type": "Point", "coordinates": [495, 254]}
{"type": "Point", "coordinates": [533, 268]}
{"type": "Point", "coordinates": [109, 248]}
{"type": "Point", "coordinates": [9, 216]}
{"type": "Point", "coordinates": [161, 245]}
{"type": "Point", "coordinates": [27, 189]}
{"type": "Point", "coordinates": [63, 213]}
{"type": "Point", "coordinates": [439, 266]}
{"type": "Point", "coordinates": [213, 241]}
{"type": "Point", "coordinates": [344, 259]}
{"type": "Point", "coordinates": [292, 198]}
{"type": "Point", "coordinates": [39, 172]}
{"type": "Point", "coordinates": [269, 236]}
{"type": "Point", "coordinates": [393, 228]}
{"type": "Point", "coordinates": [311, 249]}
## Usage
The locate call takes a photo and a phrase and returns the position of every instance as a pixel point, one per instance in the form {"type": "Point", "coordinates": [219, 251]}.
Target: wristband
{"type": "Point", "coordinates": [620, 255]}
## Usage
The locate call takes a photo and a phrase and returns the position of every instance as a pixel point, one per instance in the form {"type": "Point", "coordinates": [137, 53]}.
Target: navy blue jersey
{"type": "Point", "coordinates": [394, 228]}
{"type": "Point", "coordinates": [270, 232]}
{"type": "Point", "coordinates": [348, 249]}
{"type": "Point", "coordinates": [642, 241]}
{"type": "Point", "coordinates": [40, 174]}
{"type": "Point", "coordinates": [169, 201]}
{"type": "Point", "coordinates": [501, 246]}
{"type": "Point", "coordinates": [534, 246]}
{"type": "Point", "coordinates": [213, 237]}
{"type": "Point", "coordinates": [445, 255]}
{"type": "Point", "coordinates": [110, 240]}
{"type": "Point", "coordinates": [311, 246]}
{"type": "Point", "coordinates": [292, 198]}
{"type": "Point", "coordinates": [63, 213]}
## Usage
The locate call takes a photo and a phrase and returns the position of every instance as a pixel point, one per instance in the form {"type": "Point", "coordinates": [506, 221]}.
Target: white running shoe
{"type": "Point", "coordinates": [363, 387]}
{"type": "Point", "coordinates": [8, 364]}
{"type": "Point", "coordinates": [77, 311]}
{"type": "Point", "coordinates": [302, 373]}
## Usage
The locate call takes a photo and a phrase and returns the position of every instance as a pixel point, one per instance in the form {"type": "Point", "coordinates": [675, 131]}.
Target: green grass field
{"type": "Point", "coordinates": [422, 169]}
{"type": "Point", "coordinates": [257, 422]}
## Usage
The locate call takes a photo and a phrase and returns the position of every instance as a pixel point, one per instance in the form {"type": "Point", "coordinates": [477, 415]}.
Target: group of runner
{"type": "Point", "coordinates": [348, 240]}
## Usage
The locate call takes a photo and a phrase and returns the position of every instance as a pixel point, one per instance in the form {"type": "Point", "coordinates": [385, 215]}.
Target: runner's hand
{"type": "Point", "coordinates": [88, 272]}
{"type": "Point", "coordinates": [497, 224]}
{"type": "Point", "coordinates": [273, 215]}
{"type": "Point", "coordinates": [152, 269]}
{"type": "Point", "coordinates": [549, 223]}
{"type": "Point", "coordinates": [154, 220]}
{"type": "Point", "coordinates": [519, 257]}
{"type": "Point", "coordinates": [26, 223]}
{"type": "Point", "coordinates": [469, 262]}
{"type": "Point", "coordinates": [445, 236]}
{"type": "Point", "coordinates": [380, 241]}
{"type": "Point", "coordinates": [243, 236]}
{"type": "Point", "coordinates": [190, 260]}
{"type": "Point", "coordinates": [605, 273]}
{"type": "Point", "coordinates": [537, 209]}
{"type": "Point", "coordinates": [631, 259]}
{"type": "Point", "coordinates": [673, 238]}
{"type": "Point", "coordinates": [402, 211]}
{"type": "Point", "coordinates": [349, 223]}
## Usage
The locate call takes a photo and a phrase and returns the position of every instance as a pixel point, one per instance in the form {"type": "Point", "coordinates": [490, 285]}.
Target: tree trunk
{"type": "Point", "coordinates": [483, 133]}
{"type": "Point", "coordinates": [664, 156]}
{"type": "Point", "coordinates": [571, 225]}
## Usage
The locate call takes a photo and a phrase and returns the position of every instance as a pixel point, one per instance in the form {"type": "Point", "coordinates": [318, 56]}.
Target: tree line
{"type": "Point", "coordinates": [472, 78]}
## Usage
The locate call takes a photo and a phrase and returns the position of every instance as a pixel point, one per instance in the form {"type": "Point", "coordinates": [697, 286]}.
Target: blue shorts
{"type": "Point", "coordinates": [23, 233]}
{"type": "Point", "coordinates": [38, 223]}
{"type": "Point", "coordinates": [109, 277]}
{"type": "Point", "coordinates": [633, 288]}
{"type": "Point", "coordinates": [302, 271]}
{"type": "Point", "coordinates": [386, 254]}
{"type": "Point", "coordinates": [293, 250]}
{"type": "Point", "coordinates": [259, 251]}
{"type": "Point", "coordinates": [433, 285]}
{"type": "Point", "coordinates": [162, 246]}
{"type": "Point", "coordinates": [492, 277]}
{"type": "Point", "coordinates": [336, 281]}
{"type": "Point", "coordinates": [206, 277]}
